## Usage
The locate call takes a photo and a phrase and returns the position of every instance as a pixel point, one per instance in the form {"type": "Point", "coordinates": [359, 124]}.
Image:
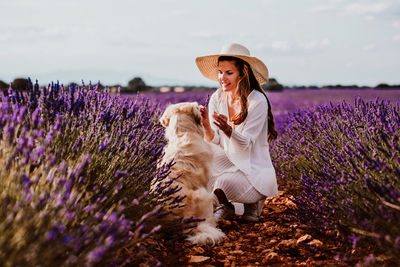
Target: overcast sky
{"type": "Point", "coordinates": [309, 42]}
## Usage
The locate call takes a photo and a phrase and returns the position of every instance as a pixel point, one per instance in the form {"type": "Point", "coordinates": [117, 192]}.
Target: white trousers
{"type": "Point", "coordinates": [237, 188]}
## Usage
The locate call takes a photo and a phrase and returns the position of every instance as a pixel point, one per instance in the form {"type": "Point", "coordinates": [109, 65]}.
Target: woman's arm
{"type": "Point", "coordinates": [205, 123]}
{"type": "Point", "coordinates": [211, 133]}
{"type": "Point", "coordinates": [254, 124]}
{"type": "Point", "coordinates": [221, 121]}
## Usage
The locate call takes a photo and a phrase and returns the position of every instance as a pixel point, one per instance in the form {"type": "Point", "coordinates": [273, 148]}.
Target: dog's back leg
{"type": "Point", "coordinates": [200, 205]}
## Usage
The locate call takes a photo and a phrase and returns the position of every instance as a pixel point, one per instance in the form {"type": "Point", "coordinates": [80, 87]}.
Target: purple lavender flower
{"type": "Point", "coordinates": [96, 254]}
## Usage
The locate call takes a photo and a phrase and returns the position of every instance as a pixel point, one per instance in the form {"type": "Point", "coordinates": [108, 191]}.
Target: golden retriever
{"type": "Point", "coordinates": [192, 157]}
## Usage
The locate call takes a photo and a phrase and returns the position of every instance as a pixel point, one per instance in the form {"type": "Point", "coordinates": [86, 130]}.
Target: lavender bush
{"type": "Point", "coordinates": [282, 103]}
{"type": "Point", "coordinates": [77, 166]}
{"type": "Point", "coordinates": [341, 162]}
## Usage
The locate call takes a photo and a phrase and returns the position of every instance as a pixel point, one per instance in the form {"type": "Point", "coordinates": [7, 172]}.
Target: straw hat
{"type": "Point", "coordinates": [208, 65]}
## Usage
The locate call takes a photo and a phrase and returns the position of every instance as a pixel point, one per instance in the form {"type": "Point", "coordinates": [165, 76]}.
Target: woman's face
{"type": "Point", "coordinates": [228, 75]}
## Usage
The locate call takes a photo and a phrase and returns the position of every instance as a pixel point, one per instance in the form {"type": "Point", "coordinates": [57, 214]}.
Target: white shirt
{"type": "Point", "coordinates": [247, 148]}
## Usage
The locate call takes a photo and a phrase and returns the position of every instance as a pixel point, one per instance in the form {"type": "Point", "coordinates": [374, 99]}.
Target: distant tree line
{"type": "Point", "coordinates": [272, 86]}
{"type": "Point", "coordinates": [136, 85]}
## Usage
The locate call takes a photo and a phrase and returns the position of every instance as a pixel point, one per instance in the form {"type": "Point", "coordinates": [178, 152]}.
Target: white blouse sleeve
{"type": "Point", "coordinates": [256, 117]}
{"type": "Point", "coordinates": [213, 107]}
{"type": "Point", "coordinates": [240, 144]}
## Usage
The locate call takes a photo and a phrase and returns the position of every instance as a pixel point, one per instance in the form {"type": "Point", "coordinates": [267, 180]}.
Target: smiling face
{"type": "Point", "coordinates": [228, 75]}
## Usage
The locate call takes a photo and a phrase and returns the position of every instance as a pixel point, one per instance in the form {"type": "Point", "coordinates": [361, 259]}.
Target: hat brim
{"type": "Point", "coordinates": [208, 66]}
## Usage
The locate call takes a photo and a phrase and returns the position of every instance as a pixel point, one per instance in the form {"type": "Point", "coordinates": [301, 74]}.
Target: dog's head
{"type": "Point", "coordinates": [182, 117]}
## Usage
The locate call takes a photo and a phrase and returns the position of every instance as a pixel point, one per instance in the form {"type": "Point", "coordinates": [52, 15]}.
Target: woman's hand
{"type": "Point", "coordinates": [205, 123]}
{"type": "Point", "coordinates": [221, 121]}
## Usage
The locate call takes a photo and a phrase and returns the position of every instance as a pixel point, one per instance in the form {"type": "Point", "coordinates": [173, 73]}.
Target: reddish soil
{"type": "Point", "coordinates": [278, 239]}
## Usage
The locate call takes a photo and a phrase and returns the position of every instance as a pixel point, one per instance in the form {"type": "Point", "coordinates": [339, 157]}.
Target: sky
{"type": "Point", "coordinates": [308, 42]}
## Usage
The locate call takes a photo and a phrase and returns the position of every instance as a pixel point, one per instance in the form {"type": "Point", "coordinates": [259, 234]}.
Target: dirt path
{"type": "Point", "coordinates": [278, 239]}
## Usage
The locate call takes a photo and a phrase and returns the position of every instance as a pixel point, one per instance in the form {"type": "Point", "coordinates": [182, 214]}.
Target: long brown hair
{"type": "Point", "coordinates": [246, 84]}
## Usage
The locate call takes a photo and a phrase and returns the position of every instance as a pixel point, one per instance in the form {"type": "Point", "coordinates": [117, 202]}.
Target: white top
{"type": "Point", "coordinates": [247, 148]}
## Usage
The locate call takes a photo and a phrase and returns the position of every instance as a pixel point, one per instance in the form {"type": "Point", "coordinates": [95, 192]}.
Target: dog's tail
{"type": "Point", "coordinates": [206, 233]}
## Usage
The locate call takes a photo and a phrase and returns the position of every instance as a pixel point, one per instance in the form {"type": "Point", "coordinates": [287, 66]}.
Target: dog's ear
{"type": "Point", "coordinates": [193, 109]}
{"type": "Point", "coordinates": [165, 118]}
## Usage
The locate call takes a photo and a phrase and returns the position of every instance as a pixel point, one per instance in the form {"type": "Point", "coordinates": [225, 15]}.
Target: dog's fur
{"type": "Point", "coordinates": [192, 157]}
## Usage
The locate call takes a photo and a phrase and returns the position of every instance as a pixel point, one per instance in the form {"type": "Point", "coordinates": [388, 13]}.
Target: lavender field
{"type": "Point", "coordinates": [288, 101]}
{"type": "Point", "coordinates": [78, 165]}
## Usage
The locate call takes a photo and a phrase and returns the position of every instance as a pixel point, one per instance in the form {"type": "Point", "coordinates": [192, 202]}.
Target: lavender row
{"type": "Point", "coordinates": [282, 103]}
{"type": "Point", "coordinates": [342, 164]}
{"type": "Point", "coordinates": [77, 168]}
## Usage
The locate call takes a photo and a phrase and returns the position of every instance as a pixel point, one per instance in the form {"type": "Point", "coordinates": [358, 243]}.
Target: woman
{"type": "Point", "coordinates": [242, 124]}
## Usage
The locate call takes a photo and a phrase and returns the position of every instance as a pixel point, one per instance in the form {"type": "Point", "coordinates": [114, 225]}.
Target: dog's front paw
{"type": "Point", "coordinates": [206, 234]}
{"type": "Point", "coordinates": [211, 242]}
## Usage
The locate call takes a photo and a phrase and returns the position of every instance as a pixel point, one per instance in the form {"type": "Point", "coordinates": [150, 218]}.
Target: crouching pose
{"type": "Point", "coordinates": [241, 126]}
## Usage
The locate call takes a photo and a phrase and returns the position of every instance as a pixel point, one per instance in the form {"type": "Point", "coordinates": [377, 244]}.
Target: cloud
{"type": "Point", "coordinates": [207, 35]}
{"type": "Point", "coordinates": [315, 44]}
{"type": "Point", "coordinates": [323, 8]}
{"type": "Point", "coordinates": [25, 33]}
{"type": "Point", "coordinates": [369, 47]}
{"type": "Point", "coordinates": [366, 8]}
{"type": "Point", "coordinates": [369, 17]}
{"type": "Point", "coordinates": [281, 45]}
{"type": "Point", "coordinates": [5, 36]}
{"type": "Point", "coordinates": [396, 37]}
{"type": "Point", "coordinates": [30, 34]}
{"type": "Point", "coordinates": [349, 64]}
{"type": "Point", "coordinates": [370, 10]}
{"type": "Point", "coordinates": [396, 24]}
{"type": "Point", "coordinates": [293, 47]}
